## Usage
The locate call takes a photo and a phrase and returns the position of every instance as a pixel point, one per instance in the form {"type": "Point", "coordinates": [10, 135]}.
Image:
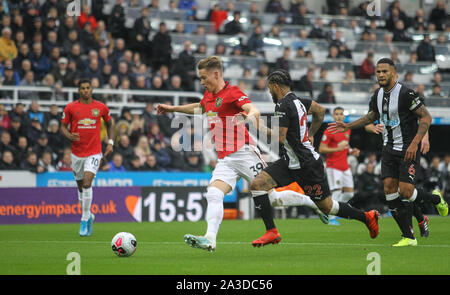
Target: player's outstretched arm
{"type": "Point", "coordinates": [369, 118]}
{"type": "Point", "coordinates": [318, 112]}
{"type": "Point", "coordinates": [192, 108]}
{"type": "Point", "coordinates": [252, 114]}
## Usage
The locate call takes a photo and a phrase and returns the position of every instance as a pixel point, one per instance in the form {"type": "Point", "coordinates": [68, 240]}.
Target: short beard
{"type": "Point", "coordinates": [274, 99]}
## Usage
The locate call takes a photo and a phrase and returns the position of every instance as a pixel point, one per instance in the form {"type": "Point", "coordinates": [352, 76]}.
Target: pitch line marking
{"type": "Point", "coordinates": [223, 243]}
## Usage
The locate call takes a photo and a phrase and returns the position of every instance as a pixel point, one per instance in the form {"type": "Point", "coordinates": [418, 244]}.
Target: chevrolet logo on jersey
{"type": "Point", "coordinates": [86, 123]}
{"type": "Point", "coordinates": [211, 114]}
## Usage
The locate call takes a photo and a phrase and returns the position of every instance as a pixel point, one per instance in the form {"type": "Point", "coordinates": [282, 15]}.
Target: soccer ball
{"type": "Point", "coordinates": [124, 244]}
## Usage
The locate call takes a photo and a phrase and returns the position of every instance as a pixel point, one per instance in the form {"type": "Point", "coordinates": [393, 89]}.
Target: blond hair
{"type": "Point", "coordinates": [209, 63]}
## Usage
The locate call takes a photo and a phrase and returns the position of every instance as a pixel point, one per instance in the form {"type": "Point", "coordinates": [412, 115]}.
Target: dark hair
{"type": "Point", "coordinates": [280, 77]}
{"type": "Point", "coordinates": [82, 81]}
{"type": "Point", "coordinates": [338, 109]}
{"type": "Point", "coordinates": [386, 60]}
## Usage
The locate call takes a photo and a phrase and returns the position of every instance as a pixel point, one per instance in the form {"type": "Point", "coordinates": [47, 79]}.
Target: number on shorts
{"type": "Point", "coordinates": [257, 168]}
{"type": "Point", "coordinates": [315, 190]}
{"type": "Point", "coordinates": [95, 162]}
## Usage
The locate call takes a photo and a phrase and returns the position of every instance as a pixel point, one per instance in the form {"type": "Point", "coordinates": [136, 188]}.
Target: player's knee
{"type": "Point", "coordinates": [214, 194]}
{"type": "Point", "coordinates": [406, 191]}
{"type": "Point", "coordinates": [257, 185]}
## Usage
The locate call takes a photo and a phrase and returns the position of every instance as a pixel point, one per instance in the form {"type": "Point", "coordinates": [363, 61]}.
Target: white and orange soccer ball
{"type": "Point", "coordinates": [124, 244]}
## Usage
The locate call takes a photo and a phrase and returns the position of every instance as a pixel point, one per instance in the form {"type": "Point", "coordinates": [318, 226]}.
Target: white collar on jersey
{"type": "Point", "coordinates": [393, 87]}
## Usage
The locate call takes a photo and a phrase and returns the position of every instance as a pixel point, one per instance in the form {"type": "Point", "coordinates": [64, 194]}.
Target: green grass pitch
{"type": "Point", "coordinates": [307, 247]}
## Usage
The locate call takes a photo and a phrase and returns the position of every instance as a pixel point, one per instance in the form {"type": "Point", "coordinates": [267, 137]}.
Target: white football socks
{"type": "Point", "coordinates": [86, 204]}
{"type": "Point", "coordinates": [214, 212]}
{"type": "Point", "coordinates": [292, 198]}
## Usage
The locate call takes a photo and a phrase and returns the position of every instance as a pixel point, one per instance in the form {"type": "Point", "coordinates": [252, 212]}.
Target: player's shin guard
{"type": "Point", "coordinates": [263, 207]}
{"type": "Point", "coordinates": [419, 196]}
{"type": "Point", "coordinates": [86, 204]}
{"type": "Point", "coordinates": [400, 213]}
{"type": "Point", "coordinates": [214, 212]}
{"type": "Point", "coordinates": [344, 210]}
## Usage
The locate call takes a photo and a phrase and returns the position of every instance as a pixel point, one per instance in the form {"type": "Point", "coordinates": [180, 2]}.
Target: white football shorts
{"type": "Point", "coordinates": [80, 165]}
{"type": "Point", "coordinates": [338, 179]}
{"type": "Point", "coordinates": [245, 162]}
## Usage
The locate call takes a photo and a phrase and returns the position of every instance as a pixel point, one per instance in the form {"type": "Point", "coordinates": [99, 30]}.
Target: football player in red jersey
{"type": "Point", "coordinates": [336, 147]}
{"type": "Point", "coordinates": [238, 155]}
{"type": "Point", "coordinates": [81, 124]}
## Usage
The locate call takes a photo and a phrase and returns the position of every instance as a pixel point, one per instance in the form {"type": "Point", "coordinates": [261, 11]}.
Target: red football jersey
{"type": "Point", "coordinates": [85, 119]}
{"type": "Point", "coordinates": [336, 160]}
{"type": "Point", "coordinates": [220, 109]}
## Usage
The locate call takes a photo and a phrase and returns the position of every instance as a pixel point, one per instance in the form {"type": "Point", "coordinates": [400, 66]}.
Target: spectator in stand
{"type": "Point", "coordinates": [134, 164]}
{"type": "Point", "coordinates": [160, 152]}
{"type": "Point", "coordinates": [217, 16]}
{"type": "Point", "coordinates": [255, 43]}
{"type": "Point", "coordinates": [5, 142]}
{"type": "Point", "coordinates": [8, 49]}
{"type": "Point", "coordinates": [5, 120]}
{"type": "Point", "coordinates": [305, 82]}
{"type": "Point", "coordinates": [299, 16]}
{"type": "Point", "coordinates": [70, 40]}
{"type": "Point", "coordinates": [154, 134]}
{"type": "Point", "coordinates": [142, 149]}
{"type": "Point", "coordinates": [87, 38]}
{"type": "Point", "coordinates": [333, 52]}
{"type": "Point", "coordinates": [42, 146]}
{"type": "Point", "coordinates": [318, 32]}
{"type": "Point", "coordinates": [24, 54]}
{"type": "Point", "coordinates": [63, 74]}
{"type": "Point", "coordinates": [16, 129]}
{"type": "Point", "coordinates": [420, 91]}
{"type": "Point", "coordinates": [151, 164]}
{"type": "Point", "coordinates": [31, 163]}
{"type": "Point", "coordinates": [45, 161]}
{"type": "Point", "coordinates": [436, 91]}
{"type": "Point", "coordinates": [283, 61]}
{"type": "Point", "coordinates": [22, 150]}
{"type": "Point", "coordinates": [274, 6]}
{"type": "Point", "coordinates": [425, 50]}
{"type": "Point", "coordinates": [419, 20]}
{"type": "Point", "coordinates": [327, 95]}
{"type": "Point", "coordinates": [399, 32]}
{"type": "Point", "coordinates": [65, 164]}
{"type": "Point", "coordinates": [260, 84]}
{"type": "Point", "coordinates": [7, 162]}
{"type": "Point", "coordinates": [334, 6]}
{"type": "Point", "coordinates": [28, 81]}
{"type": "Point", "coordinates": [162, 52]}
{"type": "Point", "coordinates": [125, 149]}
{"type": "Point", "coordinates": [116, 164]}
{"type": "Point", "coordinates": [233, 27]}
{"type": "Point", "coordinates": [116, 21]}
{"type": "Point", "coordinates": [39, 62]}
{"type": "Point", "coordinates": [164, 123]}
{"type": "Point", "coordinates": [193, 161]}
{"type": "Point", "coordinates": [439, 16]}
{"type": "Point", "coordinates": [55, 141]}
{"type": "Point", "coordinates": [367, 69]}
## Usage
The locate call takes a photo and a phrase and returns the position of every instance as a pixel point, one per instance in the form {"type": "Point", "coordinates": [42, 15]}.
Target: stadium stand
{"type": "Point", "coordinates": [140, 52]}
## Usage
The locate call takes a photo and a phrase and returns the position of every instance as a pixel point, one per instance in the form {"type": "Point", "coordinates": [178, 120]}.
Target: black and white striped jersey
{"type": "Point", "coordinates": [396, 108]}
{"type": "Point", "coordinates": [297, 149]}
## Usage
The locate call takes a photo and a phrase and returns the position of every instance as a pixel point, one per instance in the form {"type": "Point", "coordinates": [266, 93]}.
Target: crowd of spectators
{"type": "Point", "coordinates": [41, 44]}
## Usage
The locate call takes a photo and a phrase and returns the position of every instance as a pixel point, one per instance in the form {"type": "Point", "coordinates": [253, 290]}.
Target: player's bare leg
{"type": "Point", "coordinates": [214, 215]}
{"type": "Point", "coordinates": [370, 218]}
{"type": "Point", "coordinates": [259, 188]}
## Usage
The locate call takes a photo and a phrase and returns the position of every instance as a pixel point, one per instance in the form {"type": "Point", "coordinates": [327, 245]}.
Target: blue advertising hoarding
{"type": "Point", "coordinates": [133, 179]}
